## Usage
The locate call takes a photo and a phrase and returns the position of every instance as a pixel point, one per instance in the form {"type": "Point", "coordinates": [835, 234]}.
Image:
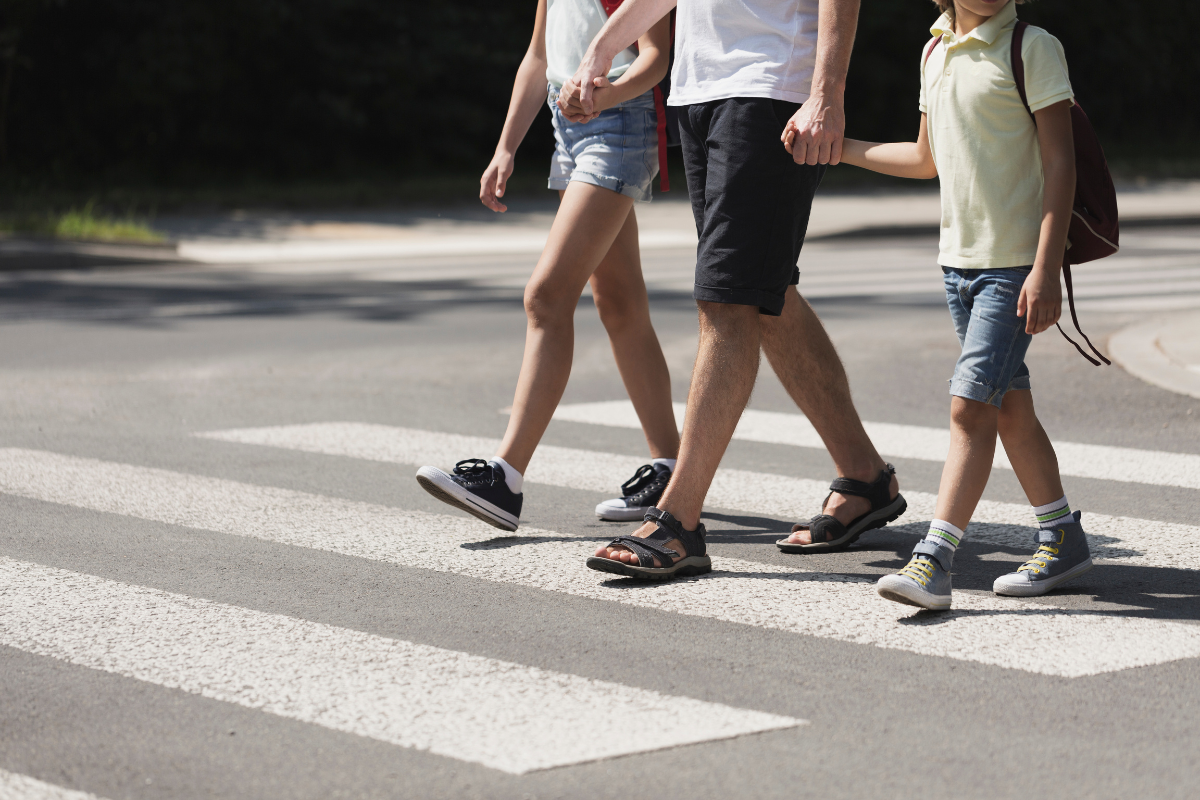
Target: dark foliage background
{"type": "Point", "coordinates": [161, 91]}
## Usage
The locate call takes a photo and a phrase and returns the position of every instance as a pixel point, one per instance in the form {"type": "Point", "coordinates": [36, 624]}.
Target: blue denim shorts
{"type": "Point", "coordinates": [618, 150]}
{"type": "Point", "coordinates": [983, 305]}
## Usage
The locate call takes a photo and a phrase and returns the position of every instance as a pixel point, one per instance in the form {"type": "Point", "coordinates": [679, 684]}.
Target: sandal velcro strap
{"type": "Point", "coordinates": [876, 491]}
{"type": "Point", "coordinates": [822, 528]}
{"type": "Point", "coordinates": [943, 555]}
{"type": "Point", "coordinates": [648, 549]}
{"type": "Point", "coordinates": [654, 546]}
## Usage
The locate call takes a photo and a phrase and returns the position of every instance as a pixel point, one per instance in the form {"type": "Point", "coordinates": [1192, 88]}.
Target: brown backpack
{"type": "Point", "coordinates": [1094, 230]}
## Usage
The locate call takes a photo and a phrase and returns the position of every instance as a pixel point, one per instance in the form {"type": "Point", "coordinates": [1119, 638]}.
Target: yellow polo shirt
{"type": "Point", "coordinates": [984, 143]}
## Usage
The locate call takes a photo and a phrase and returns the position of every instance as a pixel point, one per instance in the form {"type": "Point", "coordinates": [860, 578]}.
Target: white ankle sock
{"type": "Point", "coordinates": [1055, 513]}
{"type": "Point", "coordinates": [514, 479]}
{"type": "Point", "coordinates": [945, 534]}
{"type": "Point", "coordinates": [669, 463]}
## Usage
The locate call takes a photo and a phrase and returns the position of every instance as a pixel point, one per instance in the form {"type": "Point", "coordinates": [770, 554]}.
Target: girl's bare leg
{"type": "Point", "coordinates": [589, 221]}
{"type": "Point", "coordinates": [619, 291]}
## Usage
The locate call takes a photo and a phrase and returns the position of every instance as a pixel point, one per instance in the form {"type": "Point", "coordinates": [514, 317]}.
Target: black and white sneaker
{"type": "Point", "coordinates": [477, 487]}
{"type": "Point", "coordinates": [640, 494]}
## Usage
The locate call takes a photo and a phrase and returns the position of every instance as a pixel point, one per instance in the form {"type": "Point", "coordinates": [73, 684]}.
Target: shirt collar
{"type": "Point", "coordinates": [987, 32]}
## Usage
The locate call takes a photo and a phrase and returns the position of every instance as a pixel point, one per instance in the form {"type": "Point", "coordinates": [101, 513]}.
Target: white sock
{"type": "Point", "coordinates": [944, 534]}
{"type": "Point", "coordinates": [1056, 513]}
{"type": "Point", "coordinates": [669, 463]}
{"type": "Point", "coordinates": [514, 479]}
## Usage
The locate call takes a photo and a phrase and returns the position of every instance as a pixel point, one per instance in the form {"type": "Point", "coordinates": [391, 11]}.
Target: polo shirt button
{"type": "Point", "coordinates": [947, 72]}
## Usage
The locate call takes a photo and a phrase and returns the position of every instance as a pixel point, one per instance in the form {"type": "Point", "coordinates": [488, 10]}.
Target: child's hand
{"type": "Point", "coordinates": [1041, 300]}
{"type": "Point", "coordinates": [571, 105]}
{"type": "Point", "coordinates": [491, 185]}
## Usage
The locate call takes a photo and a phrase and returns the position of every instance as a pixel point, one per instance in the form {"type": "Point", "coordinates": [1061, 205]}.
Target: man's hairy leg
{"type": "Point", "coordinates": [808, 366]}
{"type": "Point", "coordinates": [726, 366]}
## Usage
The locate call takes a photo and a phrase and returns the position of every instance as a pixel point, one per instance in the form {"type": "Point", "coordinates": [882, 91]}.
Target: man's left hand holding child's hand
{"type": "Point", "coordinates": [1040, 302]}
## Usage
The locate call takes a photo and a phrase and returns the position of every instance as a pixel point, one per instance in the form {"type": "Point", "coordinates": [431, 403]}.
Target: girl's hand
{"type": "Point", "coordinates": [491, 185]}
{"type": "Point", "coordinates": [1041, 300]}
{"type": "Point", "coordinates": [571, 105]}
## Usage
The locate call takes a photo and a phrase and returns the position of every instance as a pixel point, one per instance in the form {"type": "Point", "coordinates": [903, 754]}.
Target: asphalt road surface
{"type": "Point", "coordinates": [218, 577]}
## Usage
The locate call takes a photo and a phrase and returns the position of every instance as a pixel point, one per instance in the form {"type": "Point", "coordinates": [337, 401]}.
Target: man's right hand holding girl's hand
{"type": "Point", "coordinates": [570, 99]}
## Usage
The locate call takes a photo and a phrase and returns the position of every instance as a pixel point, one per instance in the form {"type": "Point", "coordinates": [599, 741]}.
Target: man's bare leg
{"type": "Point", "coordinates": [726, 366]}
{"type": "Point", "coordinates": [808, 366]}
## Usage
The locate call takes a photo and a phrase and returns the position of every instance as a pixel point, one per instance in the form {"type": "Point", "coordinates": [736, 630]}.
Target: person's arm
{"type": "Point", "coordinates": [1041, 296]}
{"type": "Point", "coordinates": [902, 159]}
{"type": "Point", "coordinates": [529, 92]}
{"type": "Point", "coordinates": [650, 67]}
{"type": "Point", "coordinates": [821, 122]}
{"type": "Point", "coordinates": [623, 28]}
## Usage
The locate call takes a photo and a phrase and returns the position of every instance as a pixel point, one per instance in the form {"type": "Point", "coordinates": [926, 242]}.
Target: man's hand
{"type": "Point", "coordinates": [491, 185]}
{"type": "Point", "coordinates": [583, 82]}
{"type": "Point", "coordinates": [814, 134]}
{"type": "Point", "coordinates": [570, 102]}
{"type": "Point", "coordinates": [1041, 300]}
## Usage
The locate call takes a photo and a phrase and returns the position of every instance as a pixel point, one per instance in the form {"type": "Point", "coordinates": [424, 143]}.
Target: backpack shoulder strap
{"type": "Point", "coordinates": [929, 49]}
{"type": "Point", "coordinates": [1018, 63]}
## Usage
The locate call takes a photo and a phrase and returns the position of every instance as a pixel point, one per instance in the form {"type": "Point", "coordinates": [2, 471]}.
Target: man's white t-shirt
{"type": "Point", "coordinates": [744, 48]}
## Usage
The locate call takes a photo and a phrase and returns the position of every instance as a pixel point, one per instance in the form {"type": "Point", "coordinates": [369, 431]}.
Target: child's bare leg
{"type": "Point", "coordinates": [619, 292]}
{"type": "Point", "coordinates": [969, 463]}
{"type": "Point", "coordinates": [1029, 449]}
{"type": "Point", "coordinates": [588, 222]}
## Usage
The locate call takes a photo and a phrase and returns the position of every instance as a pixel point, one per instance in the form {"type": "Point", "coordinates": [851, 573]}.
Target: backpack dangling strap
{"type": "Point", "coordinates": [1075, 319]}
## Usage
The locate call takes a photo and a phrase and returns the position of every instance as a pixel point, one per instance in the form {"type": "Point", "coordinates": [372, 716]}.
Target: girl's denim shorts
{"type": "Point", "coordinates": [983, 305]}
{"type": "Point", "coordinates": [618, 150]}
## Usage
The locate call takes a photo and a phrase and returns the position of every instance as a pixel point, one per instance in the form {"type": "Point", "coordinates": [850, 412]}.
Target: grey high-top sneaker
{"type": "Point", "coordinates": [1062, 555]}
{"type": "Point", "coordinates": [924, 581]}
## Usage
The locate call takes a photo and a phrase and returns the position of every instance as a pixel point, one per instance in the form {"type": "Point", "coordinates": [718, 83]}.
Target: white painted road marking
{"type": "Point", "coordinates": [23, 787]}
{"type": "Point", "coordinates": [1133, 541]}
{"type": "Point", "coordinates": [1101, 462]}
{"type": "Point", "coordinates": [505, 716]}
{"type": "Point", "coordinates": [989, 630]}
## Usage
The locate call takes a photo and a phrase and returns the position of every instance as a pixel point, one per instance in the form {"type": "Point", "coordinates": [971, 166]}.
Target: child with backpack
{"type": "Point", "coordinates": [603, 164]}
{"type": "Point", "coordinates": [1008, 182]}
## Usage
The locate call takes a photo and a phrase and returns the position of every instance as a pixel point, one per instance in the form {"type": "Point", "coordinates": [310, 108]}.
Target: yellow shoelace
{"type": "Point", "coordinates": [919, 569]}
{"type": "Point", "coordinates": [1039, 560]}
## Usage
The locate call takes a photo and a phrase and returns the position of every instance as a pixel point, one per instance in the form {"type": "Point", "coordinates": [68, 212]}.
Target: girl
{"type": "Point", "coordinates": [1007, 185]}
{"type": "Point", "coordinates": [603, 164]}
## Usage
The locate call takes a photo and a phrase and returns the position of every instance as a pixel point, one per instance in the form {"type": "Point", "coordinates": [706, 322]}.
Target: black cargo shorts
{"type": "Point", "coordinates": [750, 200]}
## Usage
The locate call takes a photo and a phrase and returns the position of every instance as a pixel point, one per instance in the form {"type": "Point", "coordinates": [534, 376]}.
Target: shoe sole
{"type": "Point", "coordinates": [1039, 588]}
{"type": "Point", "coordinates": [441, 486]}
{"type": "Point", "coordinates": [911, 595]}
{"type": "Point", "coordinates": [611, 514]}
{"type": "Point", "coordinates": [873, 521]}
{"type": "Point", "coordinates": [684, 568]}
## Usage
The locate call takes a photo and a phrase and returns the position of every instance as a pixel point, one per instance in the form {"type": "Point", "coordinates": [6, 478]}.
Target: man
{"type": "Point", "coordinates": [746, 74]}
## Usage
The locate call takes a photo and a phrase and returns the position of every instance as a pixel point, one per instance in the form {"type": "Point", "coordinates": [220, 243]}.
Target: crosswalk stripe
{"type": "Point", "coordinates": [22, 787]}
{"type": "Point", "coordinates": [984, 629]}
{"type": "Point", "coordinates": [926, 444]}
{"type": "Point", "coordinates": [1133, 541]}
{"type": "Point", "coordinates": [505, 716]}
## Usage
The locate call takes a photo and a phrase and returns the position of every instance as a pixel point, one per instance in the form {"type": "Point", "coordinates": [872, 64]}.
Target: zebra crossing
{"type": "Point", "coordinates": [477, 709]}
{"type": "Point", "coordinates": [1153, 272]}
{"type": "Point", "coordinates": [14, 786]}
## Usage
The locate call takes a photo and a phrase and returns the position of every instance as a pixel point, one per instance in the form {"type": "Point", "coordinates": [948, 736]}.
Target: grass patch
{"type": "Point", "coordinates": [82, 224]}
